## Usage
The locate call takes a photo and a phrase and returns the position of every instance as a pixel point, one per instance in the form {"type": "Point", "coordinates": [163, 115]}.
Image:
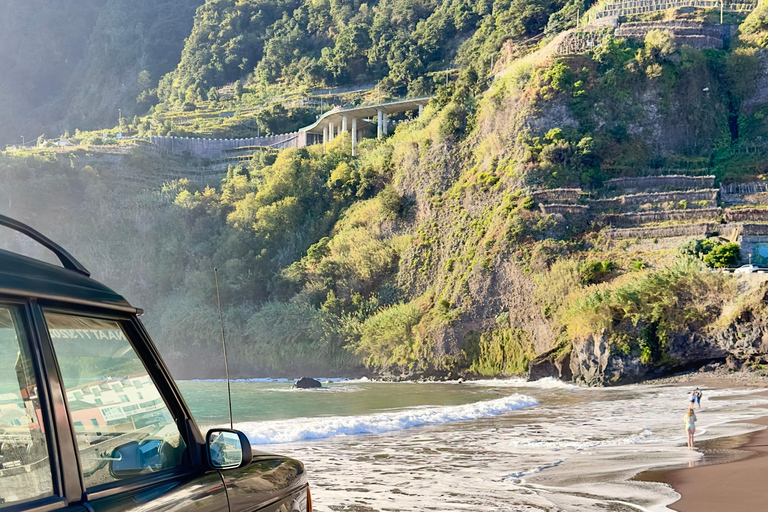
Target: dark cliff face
{"type": "Point", "coordinates": [746, 337]}
{"type": "Point", "coordinates": [743, 341]}
{"type": "Point", "coordinates": [594, 363]}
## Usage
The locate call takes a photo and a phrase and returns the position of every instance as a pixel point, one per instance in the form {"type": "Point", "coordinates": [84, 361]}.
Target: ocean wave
{"type": "Point", "coordinates": [545, 383]}
{"type": "Point", "coordinates": [288, 431]}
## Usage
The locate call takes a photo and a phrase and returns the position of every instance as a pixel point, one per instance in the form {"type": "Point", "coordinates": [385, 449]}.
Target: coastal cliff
{"type": "Point", "coordinates": [567, 212]}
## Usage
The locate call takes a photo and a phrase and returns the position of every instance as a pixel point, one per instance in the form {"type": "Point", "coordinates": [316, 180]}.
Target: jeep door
{"type": "Point", "coordinates": [134, 445]}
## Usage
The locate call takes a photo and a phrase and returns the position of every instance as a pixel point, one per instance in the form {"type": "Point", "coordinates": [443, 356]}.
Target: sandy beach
{"type": "Point", "coordinates": [731, 486]}
{"type": "Point", "coordinates": [731, 476]}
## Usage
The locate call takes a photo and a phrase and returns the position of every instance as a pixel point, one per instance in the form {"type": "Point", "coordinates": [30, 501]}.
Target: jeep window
{"type": "Point", "coordinates": [25, 469]}
{"type": "Point", "coordinates": [122, 424]}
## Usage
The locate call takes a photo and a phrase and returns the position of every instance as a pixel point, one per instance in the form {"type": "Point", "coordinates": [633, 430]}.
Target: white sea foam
{"type": "Point", "coordinates": [517, 475]}
{"type": "Point", "coordinates": [288, 431]}
{"type": "Point", "coordinates": [545, 383]}
{"type": "Point", "coordinates": [643, 435]}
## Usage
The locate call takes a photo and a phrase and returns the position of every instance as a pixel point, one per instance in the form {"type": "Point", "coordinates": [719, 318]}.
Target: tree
{"type": "Point", "coordinates": [723, 255]}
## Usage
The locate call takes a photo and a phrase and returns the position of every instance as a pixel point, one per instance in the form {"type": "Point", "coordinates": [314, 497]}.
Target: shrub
{"type": "Point", "coordinates": [388, 337]}
{"type": "Point", "coordinates": [595, 271]}
{"type": "Point", "coordinates": [560, 77]}
{"type": "Point", "coordinates": [723, 255]}
{"type": "Point", "coordinates": [755, 27]}
{"type": "Point", "coordinates": [553, 287]}
{"type": "Point", "coordinates": [319, 250]}
{"type": "Point", "coordinates": [659, 44]}
{"type": "Point", "coordinates": [391, 203]}
{"type": "Point", "coordinates": [674, 298]}
{"type": "Point", "coordinates": [697, 248]}
{"type": "Point", "coordinates": [505, 351]}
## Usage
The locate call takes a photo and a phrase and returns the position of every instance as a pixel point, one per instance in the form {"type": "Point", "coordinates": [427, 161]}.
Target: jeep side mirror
{"type": "Point", "coordinates": [228, 449]}
{"type": "Point", "coordinates": [126, 460]}
{"type": "Point", "coordinates": [135, 458]}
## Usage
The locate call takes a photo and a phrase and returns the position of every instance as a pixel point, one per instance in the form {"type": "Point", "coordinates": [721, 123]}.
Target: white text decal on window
{"type": "Point", "coordinates": [90, 334]}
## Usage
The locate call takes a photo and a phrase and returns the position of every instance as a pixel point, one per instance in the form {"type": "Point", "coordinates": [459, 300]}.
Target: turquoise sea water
{"type": "Point", "coordinates": [264, 401]}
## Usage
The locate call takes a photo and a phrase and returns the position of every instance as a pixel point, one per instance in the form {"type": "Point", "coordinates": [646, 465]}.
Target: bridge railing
{"type": "Point", "coordinates": [624, 8]}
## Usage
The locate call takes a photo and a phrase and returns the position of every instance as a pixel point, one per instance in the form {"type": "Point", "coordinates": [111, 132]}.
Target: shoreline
{"type": "Point", "coordinates": [727, 481]}
{"type": "Point", "coordinates": [729, 476]}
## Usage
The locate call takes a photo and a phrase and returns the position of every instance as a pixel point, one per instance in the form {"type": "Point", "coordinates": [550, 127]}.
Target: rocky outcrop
{"type": "Point", "coordinates": [594, 363]}
{"type": "Point", "coordinates": [741, 345]}
{"type": "Point", "coordinates": [746, 338]}
{"type": "Point", "coordinates": [307, 383]}
{"type": "Point", "coordinates": [554, 363]}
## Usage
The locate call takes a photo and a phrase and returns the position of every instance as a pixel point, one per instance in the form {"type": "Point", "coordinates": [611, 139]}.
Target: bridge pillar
{"type": "Point", "coordinates": [354, 136]}
{"type": "Point", "coordinates": [325, 135]}
{"type": "Point", "coordinates": [331, 135]}
{"type": "Point", "coordinates": [379, 115]}
{"type": "Point", "coordinates": [343, 123]}
{"type": "Point", "coordinates": [385, 123]}
{"type": "Point", "coordinates": [421, 109]}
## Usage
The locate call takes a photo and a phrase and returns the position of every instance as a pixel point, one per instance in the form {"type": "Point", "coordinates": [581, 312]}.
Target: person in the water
{"type": "Point", "coordinates": [698, 397]}
{"type": "Point", "coordinates": [692, 397]}
{"type": "Point", "coordinates": [690, 425]}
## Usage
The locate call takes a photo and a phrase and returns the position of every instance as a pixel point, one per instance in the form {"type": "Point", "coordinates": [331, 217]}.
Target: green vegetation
{"type": "Point", "coordinates": [723, 255]}
{"type": "Point", "coordinates": [425, 252]}
{"type": "Point", "coordinates": [502, 352]}
{"type": "Point", "coordinates": [714, 253]}
{"type": "Point", "coordinates": [754, 30]}
{"type": "Point", "coordinates": [296, 43]}
{"type": "Point", "coordinates": [645, 311]}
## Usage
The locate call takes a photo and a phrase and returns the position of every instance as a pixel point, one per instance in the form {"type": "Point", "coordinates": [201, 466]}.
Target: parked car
{"type": "Point", "coordinates": [746, 269]}
{"type": "Point", "coordinates": [92, 421]}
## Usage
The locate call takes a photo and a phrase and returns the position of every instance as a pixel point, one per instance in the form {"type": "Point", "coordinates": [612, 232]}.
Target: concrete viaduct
{"type": "Point", "coordinates": [354, 120]}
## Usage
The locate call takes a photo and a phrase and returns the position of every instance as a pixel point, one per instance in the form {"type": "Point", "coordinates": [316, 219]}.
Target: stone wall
{"type": "Point", "coordinates": [760, 95]}
{"type": "Point", "coordinates": [629, 7]}
{"type": "Point", "coordinates": [215, 149]}
{"type": "Point", "coordinates": [650, 183]}
{"type": "Point", "coordinates": [746, 214]}
{"type": "Point", "coordinates": [694, 34]}
{"type": "Point", "coordinates": [698, 230]}
{"type": "Point", "coordinates": [577, 42]}
{"type": "Point", "coordinates": [752, 187]}
{"type": "Point", "coordinates": [754, 229]}
{"type": "Point", "coordinates": [690, 196]}
{"type": "Point", "coordinates": [754, 249]}
{"type": "Point", "coordinates": [563, 209]}
{"type": "Point", "coordinates": [636, 219]}
{"type": "Point", "coordinates": [557, 195]}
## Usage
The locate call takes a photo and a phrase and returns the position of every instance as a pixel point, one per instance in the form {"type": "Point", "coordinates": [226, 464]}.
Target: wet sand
{"type": "Point", "coordinates": [730, 477]}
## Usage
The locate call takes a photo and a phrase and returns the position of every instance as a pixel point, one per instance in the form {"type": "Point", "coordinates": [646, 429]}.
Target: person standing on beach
{"type": "Point", "coordinates": [690, 426]}
{"type": "Point", "coordinates": [698, 397]}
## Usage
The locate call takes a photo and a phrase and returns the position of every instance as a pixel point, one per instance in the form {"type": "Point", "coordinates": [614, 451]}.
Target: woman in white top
{"type": "Point", "coordinates": [690, 426]}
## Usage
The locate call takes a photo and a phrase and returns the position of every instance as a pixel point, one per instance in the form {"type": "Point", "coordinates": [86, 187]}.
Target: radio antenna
{"type": "Point", "coordinates": [224, 344]}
